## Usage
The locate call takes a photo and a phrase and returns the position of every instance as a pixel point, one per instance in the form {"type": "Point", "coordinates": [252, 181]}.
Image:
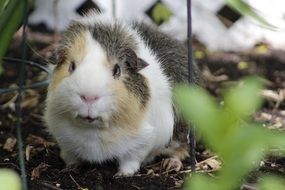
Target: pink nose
{"type": "Point", "coordinates": [88, 98]}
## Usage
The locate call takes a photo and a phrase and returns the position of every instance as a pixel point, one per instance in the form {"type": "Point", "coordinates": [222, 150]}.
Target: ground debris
{"type": "Point", "coordinates": [37, 141]}
{"type": "Point", "coordinates": [28, 152]}
{"type": "Point", "coordinates": [38, 170]}
{"type": "Point", "coordinates": [31, 101]}
{"type": "Point", "coordinates": [272, 119]}
{"type": "Point", "coordinates": [276, 96]}
{"type": "Point", "coordinates": [10, 144]}
{"type": "Point", "coordinates": [211, 163]}
{"type": "Point", "coordinates": [42, 154]}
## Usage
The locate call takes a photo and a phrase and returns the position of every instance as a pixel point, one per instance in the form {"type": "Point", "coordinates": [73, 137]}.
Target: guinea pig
{"type": "Point", "coordinates": [110, 96]}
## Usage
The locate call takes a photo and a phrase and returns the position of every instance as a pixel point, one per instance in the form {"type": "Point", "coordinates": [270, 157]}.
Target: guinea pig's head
{"type": "Point", "coordinates": [96, 80]}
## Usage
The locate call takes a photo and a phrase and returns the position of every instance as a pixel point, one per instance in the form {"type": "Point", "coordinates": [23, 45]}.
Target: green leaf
{"type": "Point", "coordinates": [197, 105]}
{"type": "Point", "coordinates": [161, 13]}
{"type": "Point", "coordinates": [9, 180]}
{"type": "Point", "coordinates": [3, 6]}
{"type": "Point", "coordinates": [199, 182]}
{"type": "Point", "coordinates": [245, 9]}
{"type": "Point", "coordinates": [11, 12]}
{"type": "Point", "coordinates": [244, 99]}
{"type": "Point", "coordinates": [270, 183]}
{"type": "Point", "coordinates": [225, 129]}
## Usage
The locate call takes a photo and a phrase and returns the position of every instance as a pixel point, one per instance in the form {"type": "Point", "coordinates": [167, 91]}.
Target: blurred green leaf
{"type": "Point", "coordinates": [199, 182]}
{"type": "Point", "coordinates": [9, 180]}
{"type": "Point", "coordinates": [271, 183]}
{"type": "Point", "coordinates": [3, 5]}
{"type": "Point", "coordinates": [245, 9]}
{"type": "Point", "coordinates": [199, 102]}
{"type": "Point", "coordinates": [161, 13]}
{"type": "Point", "coordinates": [246, 92]}
{"type": "Point", "coordinates": [227, 130]}
{"type": "Point", "coordinates": [11, 12]}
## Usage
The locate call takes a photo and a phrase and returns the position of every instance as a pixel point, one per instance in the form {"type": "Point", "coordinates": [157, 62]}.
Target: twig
{"type": "Point", "coordinates": [248, 187]}
{"type": "Point", "coordinates": [152, 165]}
{"type": "Point", "coordinates": [137, 187]}
{"type": "Point", "coordinates": [49, 186]}
{"type": "Point", "coordinates": [204, 161]}
{"type": "Point", "coordinates": [167, 171]}
{"type": "Point", "coordinates": [130, 176]}
{"type": "Point", "coordinates": [207, 171]}
{"type": "Point", "coordinates": [79, 187]}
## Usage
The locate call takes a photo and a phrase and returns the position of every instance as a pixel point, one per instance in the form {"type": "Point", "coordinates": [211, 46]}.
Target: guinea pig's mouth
{"type": "Point", "coordinates": [89, 119]}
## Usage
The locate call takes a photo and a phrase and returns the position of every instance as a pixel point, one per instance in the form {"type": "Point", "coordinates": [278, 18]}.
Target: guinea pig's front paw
{"type": "Point", "coordinates": [172, 163]}
{"type": "Point", "coordinates": [127, 168]}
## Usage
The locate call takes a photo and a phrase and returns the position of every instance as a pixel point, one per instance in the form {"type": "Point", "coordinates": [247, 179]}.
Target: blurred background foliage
{"type": "Point", "coordinates": [228, 131]}
{"type": "Point", "coordinates": [247, 10]}
{"type": "Point", "coordinates": [11, 12]}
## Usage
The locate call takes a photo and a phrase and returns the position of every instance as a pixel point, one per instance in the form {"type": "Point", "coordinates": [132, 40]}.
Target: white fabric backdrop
{"type": "Point", "coordinates": [242, 35]}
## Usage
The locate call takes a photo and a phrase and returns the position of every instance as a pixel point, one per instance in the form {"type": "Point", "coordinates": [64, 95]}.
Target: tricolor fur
{"type": "Point", "coordinates": [134, 110]}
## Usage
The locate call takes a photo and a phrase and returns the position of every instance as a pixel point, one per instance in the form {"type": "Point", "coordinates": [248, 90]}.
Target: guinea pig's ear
{"type": "Point", "coordinates": [133, 62]}
{"type": "Point", "coordinates": [141, 64]}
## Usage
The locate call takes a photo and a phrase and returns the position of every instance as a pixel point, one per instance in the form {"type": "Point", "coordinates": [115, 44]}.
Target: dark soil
{"type": "Point", "coordinates": [45, 169]}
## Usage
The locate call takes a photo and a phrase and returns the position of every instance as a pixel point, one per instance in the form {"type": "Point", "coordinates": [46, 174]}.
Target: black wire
{"type": "Point", "coordinates": [31, 86]}
{"type": "Point", "coordinates": [190, 79]}
{"type": "Point", "coordinates": [19, 100]}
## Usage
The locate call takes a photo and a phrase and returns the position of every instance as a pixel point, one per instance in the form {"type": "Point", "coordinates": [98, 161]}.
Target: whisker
{"type": "Point", "coordinates": [61, 112]}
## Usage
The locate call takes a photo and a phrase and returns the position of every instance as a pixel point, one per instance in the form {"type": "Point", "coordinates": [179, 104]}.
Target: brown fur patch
{"type": "Point", "coordinates": [127, 118]}
{"type": "Point", "coordinates": [129, 112]}
{"type": "Point", "coordinates": [74, 51]}
{"type": "Point", "coordinates": [137, 84]}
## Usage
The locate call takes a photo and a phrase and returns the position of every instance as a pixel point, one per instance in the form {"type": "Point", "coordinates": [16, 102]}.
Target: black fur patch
{"type": "Point", "coordinates": [137, 84]}
{"type": "Point", "coordinates": [171, 53]}
{"type": "Point", "coordinates": [114, 39]}
{"type": "Point", "coordinates": [133, 62]}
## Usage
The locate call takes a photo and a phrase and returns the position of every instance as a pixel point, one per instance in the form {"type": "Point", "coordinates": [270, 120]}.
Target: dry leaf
{"type": "Point", "coordinates": [179, 183]}
{"type": "Point", "coordinates": [270, 95]}
{"type": "Point", "coordinates": [28, 152]}
{"type": "Point", "coordinates": [214, 164]}
{"type": "Point", "coordinates": [273, 119]}
{"type": "Point", "coordinates": [38, 170]}
{"type": "Point", "coordinates": [211, 163]}
{"type": "Point", "coordinates": [9, 144]}
{"type": "Point", "coordinates": [150, 172]}
{"type": "Point", "coordinates": [36, 140]}
{"type": "Point", "coordinates": [274, 96]}
{"type": "Point", "coordinates": [30, 102]}
{"type": "Point", "coordinates": [212, 78]}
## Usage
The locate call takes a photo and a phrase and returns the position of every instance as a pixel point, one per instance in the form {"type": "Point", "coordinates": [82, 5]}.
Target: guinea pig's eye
{"type": "Point", "coordinates": [72, 67]}
{"type": "Point", "coordinates": [116, 71]}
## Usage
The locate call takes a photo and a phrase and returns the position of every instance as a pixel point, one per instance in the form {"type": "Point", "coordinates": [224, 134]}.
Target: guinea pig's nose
{"type": "Point", "coordinates": [89, 98]}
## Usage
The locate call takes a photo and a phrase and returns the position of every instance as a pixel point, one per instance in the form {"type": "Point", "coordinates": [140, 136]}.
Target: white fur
{"type": "Point", "coordinates": [160, 112]}
{"type": "Point", "coordinates": [82, 141]}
